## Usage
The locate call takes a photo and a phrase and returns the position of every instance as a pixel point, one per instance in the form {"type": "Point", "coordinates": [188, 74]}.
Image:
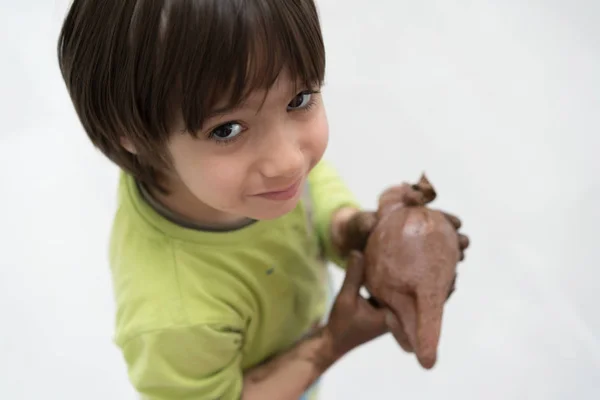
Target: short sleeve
{"type": "Point", "coordinates": [329, 193]}
{"type": "Point", "coordinates": [199, 362]}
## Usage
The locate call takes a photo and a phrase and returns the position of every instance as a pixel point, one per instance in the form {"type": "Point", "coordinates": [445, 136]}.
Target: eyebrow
{"type": "Point", "coordinates": [219, 112]}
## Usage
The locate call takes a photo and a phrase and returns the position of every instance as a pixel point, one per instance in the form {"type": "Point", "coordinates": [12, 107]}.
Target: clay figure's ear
{"type": "Point", "coordinates": [426, 188]}
{"type": "Point", "coordinates": [127, 145]}
{"type": "Point", "coordinates": [405, 194]}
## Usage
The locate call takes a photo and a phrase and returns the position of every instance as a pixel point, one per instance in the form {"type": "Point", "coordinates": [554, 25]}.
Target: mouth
{"type": "Point", "coordinates": [282, 194]}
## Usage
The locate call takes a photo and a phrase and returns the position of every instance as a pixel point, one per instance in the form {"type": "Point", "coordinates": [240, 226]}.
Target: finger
{"type": "Point", "coordinates": [396, 328]}
{"type": "Point", "coordinates": [463, 241]}
{"type": "Point", "coordinates": [377, 321]}
{"type": "Point", "coordinates": [367, 221]}
{"type": "Point", "coordinates": [454, 220]}
{"type": "Point", "coordinates": [430, 310]}
{"type": "Point", "coordinates": [355, 274]}
{"type": "Point", "coordinates": [372, 319]}
{"type": "Point", "coordinates": [359, 229]}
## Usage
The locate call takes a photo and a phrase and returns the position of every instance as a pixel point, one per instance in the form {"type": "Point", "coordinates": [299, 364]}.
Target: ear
{"type": "Point", "coordinates": [127, 145]}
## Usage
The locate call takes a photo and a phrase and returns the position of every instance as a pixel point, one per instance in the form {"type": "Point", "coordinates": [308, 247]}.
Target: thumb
{"type": "Point", "coordinates": [355, 273]}
{"type": "Point", "coordinates": [430, 309]}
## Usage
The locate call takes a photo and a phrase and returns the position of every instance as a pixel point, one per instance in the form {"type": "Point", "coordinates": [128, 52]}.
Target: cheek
{"type": "Point", "coordinates": [316, 135]}
{"type": "Point", "coordinates": [219, 174]}
{"type": "Point", "coordinates": [217, 180]}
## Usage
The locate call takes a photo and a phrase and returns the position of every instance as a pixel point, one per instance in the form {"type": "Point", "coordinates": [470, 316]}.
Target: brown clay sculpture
{"type": "Point", "coordinates": [411, 256]}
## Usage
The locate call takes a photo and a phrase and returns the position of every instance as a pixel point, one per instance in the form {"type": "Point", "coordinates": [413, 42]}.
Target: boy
{"type": "Point", "coordinates": [212, 110]}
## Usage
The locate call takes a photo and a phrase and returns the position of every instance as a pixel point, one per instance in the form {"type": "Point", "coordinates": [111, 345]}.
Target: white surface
{"type": "Point", "coordinates": [498, 101]}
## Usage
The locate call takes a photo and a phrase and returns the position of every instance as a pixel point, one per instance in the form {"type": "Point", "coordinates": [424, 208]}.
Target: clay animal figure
{"type": "Point", "coordinates": [411, 257]}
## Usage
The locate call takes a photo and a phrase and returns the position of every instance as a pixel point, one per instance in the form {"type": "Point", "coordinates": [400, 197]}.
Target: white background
{"type": "Point", "coordinates": [498, 101]}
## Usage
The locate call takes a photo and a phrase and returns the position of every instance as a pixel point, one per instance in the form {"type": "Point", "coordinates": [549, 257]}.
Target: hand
{"type": "Point", "coordinates": [463, 240]}
{"type": "Point", "coordinates": [353, 320]}
{"type": "Point", "coordinates": [463, 244]}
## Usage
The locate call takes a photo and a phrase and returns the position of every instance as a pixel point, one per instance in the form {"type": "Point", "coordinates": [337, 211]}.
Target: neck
{"type": "Point", "coordinates": [182, 207]}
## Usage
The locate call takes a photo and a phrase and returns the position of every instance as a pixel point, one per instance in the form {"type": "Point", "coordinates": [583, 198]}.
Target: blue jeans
{"type": "Point", "coordinates": [311, 393]}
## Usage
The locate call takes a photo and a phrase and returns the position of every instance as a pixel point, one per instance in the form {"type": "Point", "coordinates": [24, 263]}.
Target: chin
{"type": "Point", "coordinates": [272, 211]}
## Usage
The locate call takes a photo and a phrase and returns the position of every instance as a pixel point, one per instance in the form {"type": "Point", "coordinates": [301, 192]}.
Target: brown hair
{"type": "Point", "coordinates": [131, 65]}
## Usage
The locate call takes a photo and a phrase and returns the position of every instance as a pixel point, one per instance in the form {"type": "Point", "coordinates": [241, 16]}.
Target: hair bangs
{"type": "Point", "coordinates": [221, 51]}
{"type": "Point", "coordinates": [134, 68]}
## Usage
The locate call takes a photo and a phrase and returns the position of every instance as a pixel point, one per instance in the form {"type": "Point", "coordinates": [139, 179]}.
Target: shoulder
{"type": "Point", "coordinates": [323, 167]}
{"type": "Point", "coordinates": [158, 284]}
{"type": "Point", "coordinates": [176, 342]}
{"type": "Point", "coordinates": [160, 281]}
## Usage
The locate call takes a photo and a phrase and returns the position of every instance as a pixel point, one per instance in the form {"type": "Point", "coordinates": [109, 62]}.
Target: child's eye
{"type": "Point", "coordinates": [226, 132]}
{"type": "Point", "coordinates": [301, 100]}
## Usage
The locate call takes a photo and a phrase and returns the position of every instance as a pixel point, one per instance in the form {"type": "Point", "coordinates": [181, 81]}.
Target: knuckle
{"type": "Point", "coordinates": [345, 300]}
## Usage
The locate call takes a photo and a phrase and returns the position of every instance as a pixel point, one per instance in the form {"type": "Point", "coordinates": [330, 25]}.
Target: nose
{"type": "Point", "coordinates": [282, 155]}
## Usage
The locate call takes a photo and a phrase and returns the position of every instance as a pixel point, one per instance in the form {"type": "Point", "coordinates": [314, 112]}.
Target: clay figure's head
{"type": "Point", "coordinates": [407, 195]}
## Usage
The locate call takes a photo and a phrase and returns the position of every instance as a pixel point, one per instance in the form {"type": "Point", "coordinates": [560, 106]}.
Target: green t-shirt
{"type": "Point", "coordinates": [197, 308]}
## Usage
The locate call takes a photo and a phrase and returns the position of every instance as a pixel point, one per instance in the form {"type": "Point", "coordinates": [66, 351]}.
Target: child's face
{"type": "Point", "coordinates": [250, 162]}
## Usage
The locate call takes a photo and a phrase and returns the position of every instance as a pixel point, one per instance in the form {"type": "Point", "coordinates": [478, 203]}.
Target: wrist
{"type": "Point", "coordinates": [328, 350]}
{"type": "Point", "coordinates": [324, 351]}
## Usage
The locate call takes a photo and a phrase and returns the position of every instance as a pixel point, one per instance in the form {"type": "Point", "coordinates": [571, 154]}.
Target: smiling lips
{"type": "Point", "coordinates": [284, 194]}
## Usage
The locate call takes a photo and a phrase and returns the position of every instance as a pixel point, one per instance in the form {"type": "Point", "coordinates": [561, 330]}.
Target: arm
{"type": "Point", "coordinates": [352, 322]}
{"type": "Point", "coordinates": [289, 375]}
{"type": "Point", "coordinates": [205, 361]}
{"type": "Point", "coordinates": [188, 362]}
